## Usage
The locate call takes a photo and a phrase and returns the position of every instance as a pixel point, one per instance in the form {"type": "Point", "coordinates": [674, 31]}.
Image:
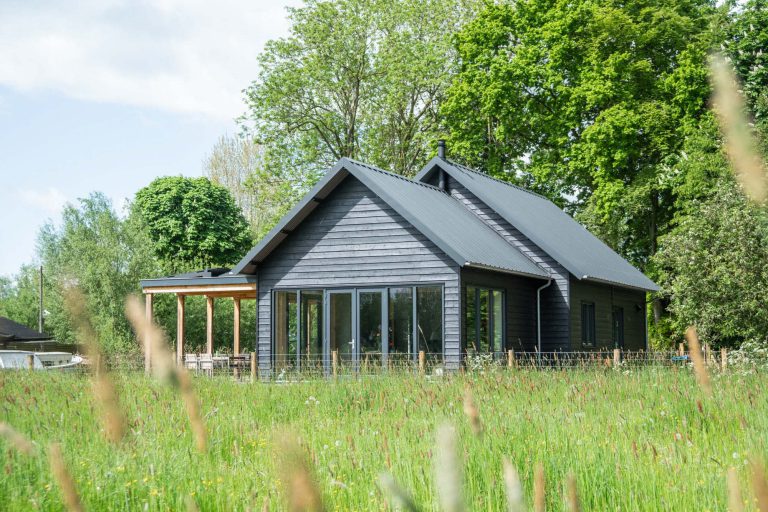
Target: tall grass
{"type": "Point", "coordinates": [632, 441]}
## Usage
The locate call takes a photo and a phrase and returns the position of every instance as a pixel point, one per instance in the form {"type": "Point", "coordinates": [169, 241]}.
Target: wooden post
{"type": "Point", "coordinates": [723, 358]}
{"type": "Point", "coordinates": [335, 361]}
{"type": "Point", "coordinates": [147, 341]}
{"type": "Point", "coordinates": [209, 325]}
{"type": "Point", "coordinates": [422, 361]}
{"type": "Point", "coordinates": [616, 357]}
{"type": "Point", "coordinates": [510, 358]}
{"type": "Point", "coordinates": [681, 349]}
{"type": "Point", "coordinates": [253, 366]}
{"type": "Point", "coordinates": [30, 361]}
{"type": "Point", "coordinates": [180, 303]}
{"type": "Point", "coordinates": [236, 348]}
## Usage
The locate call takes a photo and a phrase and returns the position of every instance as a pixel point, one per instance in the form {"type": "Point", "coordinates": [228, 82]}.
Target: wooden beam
{"type": "Point", "coordinates": [180, 330]}
{"type": "Point", "coordinates": [209, 324]}
{"type": "Point", "coordinates": [236, 349]}
{"type": "Point", "coordinates": [224, 289]}
{"type": "Point", "coordinates": [147, 340]}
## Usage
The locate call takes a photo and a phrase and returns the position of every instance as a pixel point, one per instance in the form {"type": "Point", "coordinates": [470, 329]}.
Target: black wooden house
{"type": "Point", "coordinates": [378, 267]}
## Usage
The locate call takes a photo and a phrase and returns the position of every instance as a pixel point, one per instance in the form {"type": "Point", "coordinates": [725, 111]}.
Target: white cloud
{"type": "Point", "coordinates": [192, 56]}
{"type": "Point", "coordinates": [50, 200]}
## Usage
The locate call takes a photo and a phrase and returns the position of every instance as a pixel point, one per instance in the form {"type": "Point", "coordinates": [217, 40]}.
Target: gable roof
{"type": "Point", "coordinates": [550, 228]}
{"type": "Point", "coordinates": [456, 231]}
{"type": "Point", "coordinates": [14, 331]}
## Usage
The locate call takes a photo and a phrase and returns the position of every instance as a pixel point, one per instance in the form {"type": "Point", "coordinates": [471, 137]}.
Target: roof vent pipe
{"type": "Point", "coordinates": [441, 148]}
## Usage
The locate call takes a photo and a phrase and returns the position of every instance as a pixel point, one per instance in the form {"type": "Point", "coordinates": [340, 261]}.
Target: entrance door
{"type": "Point", "coordinates": [371, 325]}
{"type": "Point", "coordinates": [340, 326]}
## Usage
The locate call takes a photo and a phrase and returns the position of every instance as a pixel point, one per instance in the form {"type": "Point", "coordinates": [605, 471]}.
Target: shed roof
{"type": "Point", "coordinates": [14, 331]}
{"type": "Point", "coordinates": [456, 231]}
{"type": "Point", "coordinates": [550, 228]}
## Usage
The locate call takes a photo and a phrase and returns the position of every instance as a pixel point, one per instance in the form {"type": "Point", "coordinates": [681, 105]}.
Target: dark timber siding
{"type": "Point", "coordinates": [605, 297]}
{"type": "Point", "coordinates": [555, 332]}
{"type": "Point", "coordinates": [520, 311]}
{"type": "Point", "coordinates": [354, 239]}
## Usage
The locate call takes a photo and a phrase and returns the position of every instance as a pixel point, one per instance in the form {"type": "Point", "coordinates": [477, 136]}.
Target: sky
{"type": "Point", "coordinates": [107, 95]}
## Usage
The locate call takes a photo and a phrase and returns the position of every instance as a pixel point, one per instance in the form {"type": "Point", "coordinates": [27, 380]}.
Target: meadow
{"type": "Point", "coordinates": [644, 439]}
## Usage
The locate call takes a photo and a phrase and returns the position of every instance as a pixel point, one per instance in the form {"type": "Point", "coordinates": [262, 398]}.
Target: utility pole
{"type": "Point", "coordinates": [40, 312]}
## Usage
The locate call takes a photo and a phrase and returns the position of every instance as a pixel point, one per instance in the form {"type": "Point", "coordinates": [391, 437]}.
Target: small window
{"type": "Point", "coordinates": [618, 327]}
{"type": "Point", "coordinates": [588, 324]}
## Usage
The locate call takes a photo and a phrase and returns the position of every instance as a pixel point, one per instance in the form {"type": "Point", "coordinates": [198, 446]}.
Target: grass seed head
{"type": "Point", "coordinates": [573, 494]}
{"type": "Point", "coordinates": [539, 484]}
{"type": "Point", "coordinates": [472, 412]}
{"type": "Point", "coordinates": [18, 441]}
{"type": "Point", "coordinates": [699, 366]}
{"type": "Point", "coordinates": [399, 497]}
{"type": "Point", "coordinates": [64, 479]}
{"type": "Point", "coordinates": [741, 145]}
{"type": "Point", "coordinates": [735, 503]}
{"type": "Point", "coordinates": [760, 486]}
{"type": "Point", "coordinates": [513, 488]}
{"type": "Point", "coordinates": [448, 470]}
{"type": "Point", "coordinates": [102, 385]}
{"type": "Point", "coordinates": [300, 487]}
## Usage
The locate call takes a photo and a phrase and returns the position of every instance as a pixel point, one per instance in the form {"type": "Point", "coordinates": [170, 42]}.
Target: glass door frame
{"type": "Point", "coordinates": [384, 291]}
{"type": "Point", "coordinates": [327, 327]}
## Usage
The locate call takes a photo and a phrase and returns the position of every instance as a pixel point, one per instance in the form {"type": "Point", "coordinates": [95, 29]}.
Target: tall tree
{"type": "Point", "coordinates": [585, 101]}
{"type": "Point", "coordinates": [191, 223]}
{"type": "Point", "coordinates": [712, 265]}
{"type": "Point", "coordinates": [102, 254]}
{"type": "Point", "coordinates": [237, 164]}
{"type": "Point", "coordinates": [355, 78]}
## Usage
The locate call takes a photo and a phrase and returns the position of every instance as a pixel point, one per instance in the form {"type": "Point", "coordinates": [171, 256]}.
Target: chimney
{"type": "Point", "coordinates": [441, 148]}
{"type": "Point", "coordinates": [442, 178]}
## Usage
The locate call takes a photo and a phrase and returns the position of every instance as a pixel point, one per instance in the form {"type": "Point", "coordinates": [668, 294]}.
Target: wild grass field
{"type": "Point", "coordinates": [639, 440]}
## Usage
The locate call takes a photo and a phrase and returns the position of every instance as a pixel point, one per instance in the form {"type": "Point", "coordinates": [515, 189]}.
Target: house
{"type": "Point", "coordinates": [376, 267]}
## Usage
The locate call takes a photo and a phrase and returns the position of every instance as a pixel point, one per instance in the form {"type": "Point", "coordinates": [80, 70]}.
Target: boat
{"type": "Point", "coordinates": [20, 360]}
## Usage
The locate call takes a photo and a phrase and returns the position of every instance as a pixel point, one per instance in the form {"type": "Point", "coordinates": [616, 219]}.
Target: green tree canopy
{"type": "Point", "coordinates": [584, 101]}
{"type": "Point", "coordinates": [191, 223]}
{"type": "Point", "coordinates": [713, 267]}
{"type": "Point", "coordinates": [355, 78]}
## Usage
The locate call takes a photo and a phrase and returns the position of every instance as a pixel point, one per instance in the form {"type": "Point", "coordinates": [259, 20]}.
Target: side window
{"type": "Point", "coordinates": [588, 324]}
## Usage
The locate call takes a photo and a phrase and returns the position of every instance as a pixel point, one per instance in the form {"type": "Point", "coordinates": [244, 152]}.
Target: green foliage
{"type": "Point", "coordinates": [712, 265]}
{"type": "Point", "coordinates": [237, 163]}
{"type": "Point", "coordinates": [191, 223]}
{"type": "Point", "coordinates": [668, 454]}
{"type": "Point", "coordinates": [20, 296]}
{"type": "Point", "coordinates": [94, 249]}
{"type": "Point", "coordinates": [584, 100]}
{"type": "Point", "coordinates": [355, 78]}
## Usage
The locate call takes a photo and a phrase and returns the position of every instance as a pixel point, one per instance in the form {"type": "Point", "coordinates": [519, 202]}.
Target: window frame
{"type": "Point", "coordinates": [591, 328]}
{"type": "Point", "coordinates": [491, 317]}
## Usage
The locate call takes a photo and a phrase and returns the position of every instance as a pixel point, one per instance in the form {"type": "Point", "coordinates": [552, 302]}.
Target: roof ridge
{"type": "Point", "coordinates": [486, 175]}
{"type": "Point", "coordinates": [395, 175]}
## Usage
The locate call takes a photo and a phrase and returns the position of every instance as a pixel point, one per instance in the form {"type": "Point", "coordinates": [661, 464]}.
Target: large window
{"type": "Point", "coordinates": [312, 326]}
{"type": "Point", "coordinates": [400, 321]}
{"type": "Point", "coordinates": [286, 329]}
{"type": "Point", "coordinates": [429, 312]}
{"type": "Point", "coordinates": [358, 324]}
{"type": "Point", "coordinates": [484, 320]}
{"type": "Point", "coordinates": [588, 324]}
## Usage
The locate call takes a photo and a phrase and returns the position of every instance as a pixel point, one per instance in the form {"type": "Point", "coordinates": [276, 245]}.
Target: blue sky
{"type": "Point", "coordinates": [109, 94]}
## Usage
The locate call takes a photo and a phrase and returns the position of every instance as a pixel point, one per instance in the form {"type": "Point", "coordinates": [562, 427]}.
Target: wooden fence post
{"type": "Point", "coordinates": [335, 361]}
{"type": "Point", "coordinates": [422, 361]}
{"type": "Point", "coordinates": [253, 366]}
{"type": "Point", "coordinates": [616, 357]}
{"type": "Point", "coordinates": [723, 358]}
{"type": "Point", "coordinates": [510, 358]}
{"type": "Point", "coordinates": [30, 361]}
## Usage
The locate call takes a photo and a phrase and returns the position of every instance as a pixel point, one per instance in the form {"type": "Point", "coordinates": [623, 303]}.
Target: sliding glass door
{"type": "Point", "coordinates": [341, 325]}
{"type": "Point", "coordinates": [371, 321]}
